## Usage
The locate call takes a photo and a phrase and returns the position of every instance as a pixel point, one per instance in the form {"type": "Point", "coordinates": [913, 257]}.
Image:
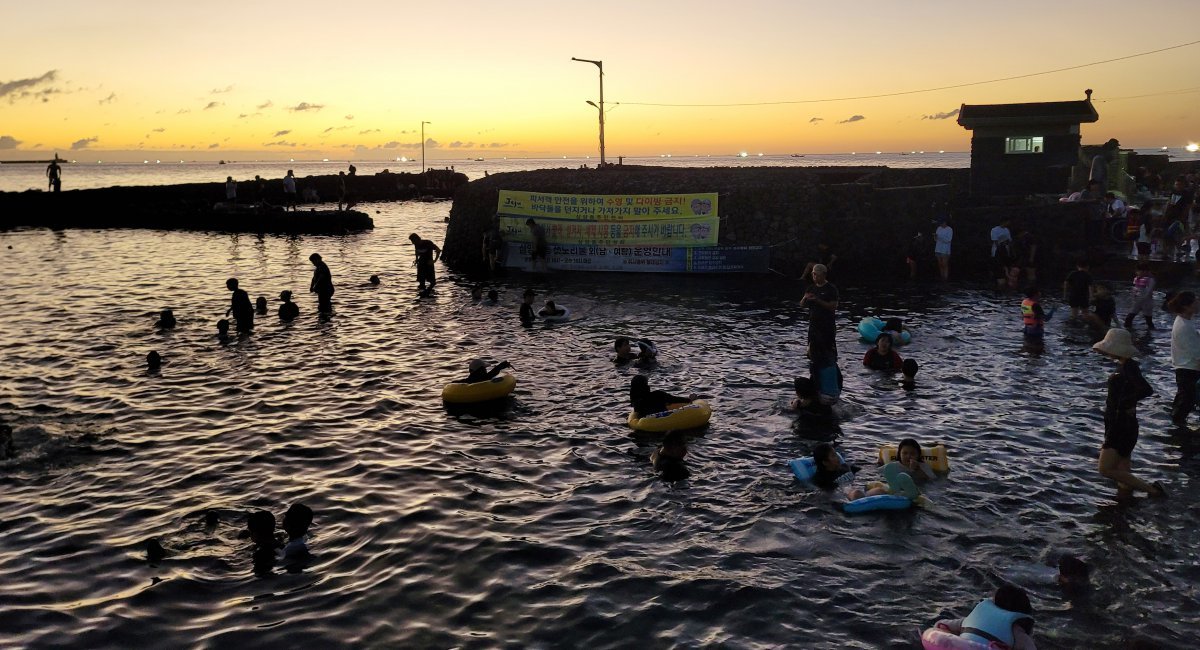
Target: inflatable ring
{"type": "Point", "coordinates": [935, 456]}
{"type": "Point", "coordinates": [557, 318]}
{"type": "Point", "coordinates": [480, 391]}
{"type": "Point", "coordinates": [683, 416]}
{"type": "Point", "coordinates": [877, 502]}
{"type": "Point", "coordinates": [939, 639]}
{"type": "Point", "coordinates": [870, 328]}
{"type": "Point", "coordinates": [805, 468]}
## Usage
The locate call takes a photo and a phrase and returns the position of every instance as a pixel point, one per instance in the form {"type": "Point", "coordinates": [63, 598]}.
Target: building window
{"type": "Point", "coordinates": [1023, 144]}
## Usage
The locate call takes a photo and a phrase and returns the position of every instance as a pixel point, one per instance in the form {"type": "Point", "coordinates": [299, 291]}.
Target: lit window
{"type": "Point", "coordinates": [1023, 144]}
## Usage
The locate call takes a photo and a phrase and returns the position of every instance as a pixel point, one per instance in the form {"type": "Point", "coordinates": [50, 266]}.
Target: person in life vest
{"type": "Point", "coordinates": [1006, 618]}
{"type": "Point", "coordinates": [1033, 318]}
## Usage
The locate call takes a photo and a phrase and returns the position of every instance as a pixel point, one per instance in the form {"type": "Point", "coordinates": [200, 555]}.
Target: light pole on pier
{"type": "Point", "coordinates": [423, 145]}
{"type": "Point", "coordinates": [600, 107]}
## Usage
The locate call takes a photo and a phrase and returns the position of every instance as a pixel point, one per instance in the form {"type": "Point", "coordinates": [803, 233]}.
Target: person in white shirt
{"type": "Point", "coordinates": [289, 191]}
{"type": "Point", "coordinates": [941, 248]}
{"type": "Point", "coordinates": [1185, 355]}
{"type": "Point", "coordinates": [1001, 252]}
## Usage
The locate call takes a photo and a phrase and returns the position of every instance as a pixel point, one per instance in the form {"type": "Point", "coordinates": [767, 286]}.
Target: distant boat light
{"type": "Point", "coordinates": [941, 151]}
{"type": "Point", "coordinates": [324, 160]}
{"type": "Point", "coordinates": [878, 153]}
{"type": "Point", "coordinates": [742, 154]}
{"type": "Point", "coordinates": [1192, 147]}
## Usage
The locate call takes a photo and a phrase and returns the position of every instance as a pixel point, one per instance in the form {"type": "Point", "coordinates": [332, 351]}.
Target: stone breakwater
{"type": "Point", "coordinates": [191, 206]}
{"type": "Point", "coordinates": [866, 215]}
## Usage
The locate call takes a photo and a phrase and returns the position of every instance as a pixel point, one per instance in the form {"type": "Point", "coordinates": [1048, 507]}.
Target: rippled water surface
{"type": "Point", "coordinates": [543, 525]}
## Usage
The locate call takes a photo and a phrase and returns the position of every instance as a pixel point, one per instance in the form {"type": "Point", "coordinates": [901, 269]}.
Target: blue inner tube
{"type": "Point", "coordinates": [805, 468]}
{"type": "Point", "coordinates": [878, 502]}
{"type": "Point", "coordinates": [870, 328]}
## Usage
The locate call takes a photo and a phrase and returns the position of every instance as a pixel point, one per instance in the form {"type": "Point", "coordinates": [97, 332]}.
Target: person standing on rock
{"type": "Point", "coordinates": [822, 299]}
{"type": "Point", "coordinates": [54, 174]}
{"type": "Point", "coordinates": [289, 191]}
{"type": "Point", "coordinates": [322, 284]}
{"type": "Point", "coordinates": [230, 190]}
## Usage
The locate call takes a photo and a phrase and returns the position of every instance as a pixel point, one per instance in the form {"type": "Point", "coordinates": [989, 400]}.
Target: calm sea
{"type": "Point", "coordinates": [542, 525]}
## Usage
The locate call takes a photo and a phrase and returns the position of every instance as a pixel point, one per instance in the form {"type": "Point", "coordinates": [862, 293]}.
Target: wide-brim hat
{"type": "Point", "coordinates": [1118, 343]}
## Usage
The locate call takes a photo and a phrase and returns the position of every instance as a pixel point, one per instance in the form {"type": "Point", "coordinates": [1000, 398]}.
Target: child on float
{"type": "Point", "coordinates": [1006, 617]}
{"type": "Point", "coordinates": [479, 372]}
{"type": "Point", "coordinates": [647, 402]}
{"type": "Point", "coordinates": [829, 472]}
{"type": "Point", "coordinates": [1142, 297]}
{"type": "Point", "coordinates": [901, 474]}
{"type": "Point", "coordinates": [550, 310]}
{"type": "Point", "coordinates": [882, 356]}
{"type": "Point", "coordinates": [1126, 388]}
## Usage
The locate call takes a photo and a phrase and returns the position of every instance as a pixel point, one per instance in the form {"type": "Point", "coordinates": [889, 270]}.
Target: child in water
{"type": "Point", "coordinates": [295, 523]}
{"type": "Point", "coordinates": [909, 368]}
{"type": "Point", "coordinates": [808, 401]}
{"type": "Point", "coordinates": [1005, 618]}
{"type": "Point", "coordinates": [1142, 297]}
{"type": "Point", "coordinates": [646, 402]}
{"type": "Point", "coordinates": [624, 348]}
{"type": "Point", "coordinates": [668, 458]}
{"type": "Point", "coordinates": [829, 470]}
{"type": "Point", "coordinates": [166, 319]}
{"type": "Point", "coordinates": [908, 454]}
{"type": "Point", "coordinates": [882, 356]}
{"type": "Point", "coordinates": [527, 316]}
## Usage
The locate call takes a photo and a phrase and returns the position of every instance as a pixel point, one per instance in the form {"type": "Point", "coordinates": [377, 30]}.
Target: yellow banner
{"type": "Point", "coordinates": [607, 207]}
{"type": "Point", "coordinates": [685, 233]}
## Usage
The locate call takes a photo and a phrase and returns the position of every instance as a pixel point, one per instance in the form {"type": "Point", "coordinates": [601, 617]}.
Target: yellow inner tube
{"type": "Point", "coordinates": [480, 391]}
{"type": "Point", "coordinates": [935, 456]}
{"type": "Point", "coordinates": [679, 416]}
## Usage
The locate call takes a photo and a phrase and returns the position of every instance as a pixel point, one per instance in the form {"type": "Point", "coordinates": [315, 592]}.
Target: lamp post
{"type": "Point", "coordinates": [423, 145]}
{"type": "Point", "coordinates": [600, 107]}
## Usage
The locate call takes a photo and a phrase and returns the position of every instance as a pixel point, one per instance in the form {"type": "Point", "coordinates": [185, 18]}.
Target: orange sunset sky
{"type": "Point", "coordinates": [126, 79]}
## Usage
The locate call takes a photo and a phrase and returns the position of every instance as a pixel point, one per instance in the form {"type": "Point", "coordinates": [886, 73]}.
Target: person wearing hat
{"type": "Point", "coordinates": [1126, 387]}
{"type": "Point", "coordinates": [322, 284]}
{"type": "Point", "coordinates": [288, 311]}
{"type": "Point", "coordinates": [479, 371]}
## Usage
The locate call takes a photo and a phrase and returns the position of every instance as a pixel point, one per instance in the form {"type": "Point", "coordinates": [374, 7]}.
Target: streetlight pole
{"type": "Point", "coordinates": [599, 64]}
{"type": "Point", "coordinates": [423, 145]}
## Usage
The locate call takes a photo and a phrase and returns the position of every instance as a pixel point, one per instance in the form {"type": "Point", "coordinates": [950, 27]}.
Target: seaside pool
{"type": "Point", "coordinates": [544, 526]}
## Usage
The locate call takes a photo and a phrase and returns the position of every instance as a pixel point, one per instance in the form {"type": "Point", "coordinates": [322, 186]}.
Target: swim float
{"type": "Point", "coordinates": [878, 502]}
{"type": "Point", "coordinates": [805, 468]}
{"type": "Point", "coordinates": [939, 639]}
{"type": "Point", "coordinates": [870, 328]}
{"type": "Point", "coordinates": [677, 416]}
{"type": "Point", "coordinates": [555, 318]}
{"type": "Point", "coordinates": [935, 456]}
{"type": "Point", "coordinates": [480, 391]}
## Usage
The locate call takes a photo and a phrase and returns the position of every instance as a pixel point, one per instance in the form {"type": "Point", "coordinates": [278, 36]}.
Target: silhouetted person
{"type": "Point", "coordinates": [295, 523]}
{"type": "Point", "coordinates": [230, 190]}
{"type": "Point", "coordinates": [479, 372]}
{"type": "Point", "coordinates": [223, 330]}
{"type": "Point", "coordinates": [493, 296]}
{"type": "Point", "coordinates": [261, 526]}
{"type": "Point", "coordinates": [342, 190]}
{"type": "Point", "coordinates": [374, 279]}
{"type": "Point", "coordinates": [476, 293]}
{"type": "Point", "coordinates": [54, 175]}
{"type": "Point", "coordinates": [154, 551]}
{"type": "Point", "coordinates": [289, 310]}
{"type": "Point", "coordinates": [260, 305]}
{"type": "Point", "coordinates": [425, 254]}
{"type": "Point", "coordinates": [353, 169]}
{"type": "Point", "coordinates": [7, 450]}
{"type": "Point", "coordinates": [527, 315]}
{"type": "Point", "coordinates": [240, 307]}
{"type": "Point", "coordinates": [153, 360]}
{"type": "Point", "coordinates": [322, 284]}
{"type": "Point", "coordinates": [289, 191]}
{"type": "Point", "coordinates": [166, 319]}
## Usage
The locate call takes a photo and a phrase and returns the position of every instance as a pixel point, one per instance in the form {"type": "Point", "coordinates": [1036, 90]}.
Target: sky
{"type": "Point", "coordinates": [130, 79]}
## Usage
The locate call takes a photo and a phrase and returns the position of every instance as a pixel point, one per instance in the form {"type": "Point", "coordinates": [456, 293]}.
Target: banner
{"type": "Point", "coordinates": [652, 259]}
{"type": "Point", "coordinates": [606, 207]}
{"type": "Point", "coordinates": [692, 231]}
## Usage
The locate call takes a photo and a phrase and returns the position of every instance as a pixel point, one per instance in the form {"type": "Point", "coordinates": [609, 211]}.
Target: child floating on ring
{"type": "Point", "coordinates": [646, 402]}
{"type": "Point", "coordinates": [1006, 618]}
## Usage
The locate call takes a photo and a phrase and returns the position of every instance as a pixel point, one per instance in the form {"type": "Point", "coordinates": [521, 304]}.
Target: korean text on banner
{"type": "Point", "coordinates": [683, 233]}
{"type": "Point", "coordinates": [606, 207]}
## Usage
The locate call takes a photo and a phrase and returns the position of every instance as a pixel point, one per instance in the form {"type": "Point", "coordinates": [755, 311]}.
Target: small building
{"type": "Point", "coordinates": [1024, 148]}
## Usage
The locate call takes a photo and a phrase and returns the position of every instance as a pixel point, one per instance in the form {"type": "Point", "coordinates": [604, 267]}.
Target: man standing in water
{"type": "Point", "coordinates": [822, 300]}
{"type": "Point", "coordinates": [322, 284]}
{"type": "Point", "coordinates": [54, 174]}
{"type": "Point", "coordinates": [289, 191]}
{"type": "Point", "coordinates": [425, 253]}
{"type": "Point", "coordinates": [240, 307]}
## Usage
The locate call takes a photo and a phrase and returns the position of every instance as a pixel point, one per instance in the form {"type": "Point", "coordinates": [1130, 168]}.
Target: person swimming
{"type": "Point", "coordinates": [479, 371]}
{"type": "Point", "coordinates": [909, 369]}
{"type": "Point", "coordinates": [166, 319]}
{"type": "Point", "coordinates": [808, 400]}
{"type": "Point", "coordinates": [223, 330]}
{"type": "Point", "coordinates": [296, 522]}
{"type": "Point", "coordinates": [647, 351]}
{"type": "Point", "coordinates": [260, 306]}
{"type": "Point", "coordinates": [374, 279]}
{"type": "Point", "coordinates": [1005, 618]}
{"type": "Point", "coordinates": [153, 360]}
{"type": "Point", "coordinates": [829, 472]}
{"type": "Point", "coordinates": [668, 458]}
{"type": "Point", "coordinates": [882, 356]}
{"type": "Point", "coordinates": [550, 310]}
{"type": "Point", "coordinates": [908, 454]}
{"type": "Point", "coordinates": [288, 310]}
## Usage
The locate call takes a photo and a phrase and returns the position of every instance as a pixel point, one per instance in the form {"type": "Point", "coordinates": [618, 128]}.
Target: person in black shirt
{"type": "Point", "coordinates": [646, 402]}
{"type": "Point", "coordinates": [527, 315]}
{"type": "Point", "coordinates": [427, 254]}
{"type": "Point", "coordinates": [668, 458]}
{"type": "Point", "coordinates": [829, 470]}
{"type": "Point", "coordinates": [288, 311]}
{"type": "Point", "coordinates": [479, 371]}
{"type": "Point", "coordinates": [1126, 388]}
{"type": "Point", "coordinates": [822, 300]}
{"type": "Point", "coordinates": [322, 284]}
{"type": "Point", "coordinates": [1077, 289]}
{"type": "Point", "coordinates": [808, 402]}
{"type": "Point", "coordinates": [240, 306]}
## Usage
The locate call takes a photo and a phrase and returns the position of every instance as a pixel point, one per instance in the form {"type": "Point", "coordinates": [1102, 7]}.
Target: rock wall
{"type": "Point", "coordinates": [866, 215]}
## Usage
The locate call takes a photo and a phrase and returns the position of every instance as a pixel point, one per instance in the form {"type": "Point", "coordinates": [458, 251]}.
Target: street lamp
{"type": "Point", "coordinates": [600, 107]}
{"type": "Point", "coordinates": [423, 145]}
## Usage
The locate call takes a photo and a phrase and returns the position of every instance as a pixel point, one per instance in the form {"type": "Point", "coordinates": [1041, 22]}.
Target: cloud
{"type": "Point", "coordinates": [213, 105]}
{"type": "Point", "coordinates": [391, 145]}
{"type": "Point", "coordinates": [108, 100]}
{"type": "Point", "coordinates": [852, 118]}
{"type": "Point", "coordinates": [279, 134]}
{"type": "Point", "coordinates": [9, 142]}
{"type": "Point", "coordinates": [183, 110]}
{"type": "Point", "coordinates": [366, 131]}
{"type": "Point", "coordinates": [280, 143]}
{"type": "Point", "coordinates": [499, 145]}
{"type": "Point", "coordinates": [941, 116]}
{"type": "Point", "coordinates": [84, 143]}
{"type": "Point", "coordinates": [220, 91]}
{"type": "Point", "coordinates": [349, 117]}
{"type": "Point", "coordinates": [21, 88]}
{"type": "Point", "coordinates": [456, 144]}
{"type": "Point", "coordinates": [327, 130]}
{"type": "Point", "coordinates": [816, 119]}
{"type": "Point", "coordinates": [265, 105]}
{"type": "Point", "coordinates": [158, 130]}
{"type": "Point", "coordinates": [214, 145]}
{"type": "Point", "coordinates": [305, 106]}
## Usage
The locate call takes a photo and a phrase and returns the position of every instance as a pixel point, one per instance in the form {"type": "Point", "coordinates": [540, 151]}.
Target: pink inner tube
{"type": "Point", "coordinates": [938, 639]}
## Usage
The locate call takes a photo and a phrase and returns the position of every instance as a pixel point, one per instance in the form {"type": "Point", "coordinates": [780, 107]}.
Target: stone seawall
{"type": "Point", "coordinates": [867, 215]}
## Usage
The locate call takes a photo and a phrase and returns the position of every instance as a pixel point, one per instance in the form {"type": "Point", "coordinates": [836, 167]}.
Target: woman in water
{"type": "Point", "coordinates": [1185, 355]}
{"type": "Point", "coordinates": [1126, 388]}
{"type": "Point", "coordinates": [882, 356]}
{"type": "Point", "coordinates": [646, 402]}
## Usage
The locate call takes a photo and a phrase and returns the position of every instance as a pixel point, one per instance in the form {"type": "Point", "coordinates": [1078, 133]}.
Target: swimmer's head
{"type": "Point", "coordinates": [477, 292]}
{"type": "Point", "coordinates": [231, 284]}
{"type": "Point", "coordinates": [223, 326]}
{"type": "Point", "coordinates": [261, 525]}
{"type": "Point", "coordinates": [374, 279]}
{"type": "Point", "coordinates": [894, 325]}
{"type": "Point", "coordinates": [528, 296]}
{"type": "Point", "coordinates": [825, 457]}
{"type": "Point", "coordinates": [910, 367]}
{"type": "Point", "coordinates": [261, 303]}
{"type": "Point", "coordinates": [154, 360]}
{"type": "Point", "coordinates": [883, 343]}
{"type": "Point", "coordinates": [674, 445]}
{"type": "Point", "coordinates": [639, 387]}
{"type": "Point", "coordinates": [166, 315]}
{"type": "Point", "coordinates": [621, 345]}
{"type": "Point", "coordinates": [806, 388]}
{"type": "Point", "coordinates": [297, 519]}
{"type": "Point", "coordinates": [1072, 572]}
{"type": "Point", "coordinates": [550, 306]}
{"type": "Point", "coordinates": [908, 452]}
{"type": "Point", "coordinates": [1014, 599]}
{"type": "Point", "coordinates": [285, 296]}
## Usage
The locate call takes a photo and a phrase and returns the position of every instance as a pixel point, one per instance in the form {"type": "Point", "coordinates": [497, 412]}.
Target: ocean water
{"type": "Point", "coordinates": [542, 525]}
